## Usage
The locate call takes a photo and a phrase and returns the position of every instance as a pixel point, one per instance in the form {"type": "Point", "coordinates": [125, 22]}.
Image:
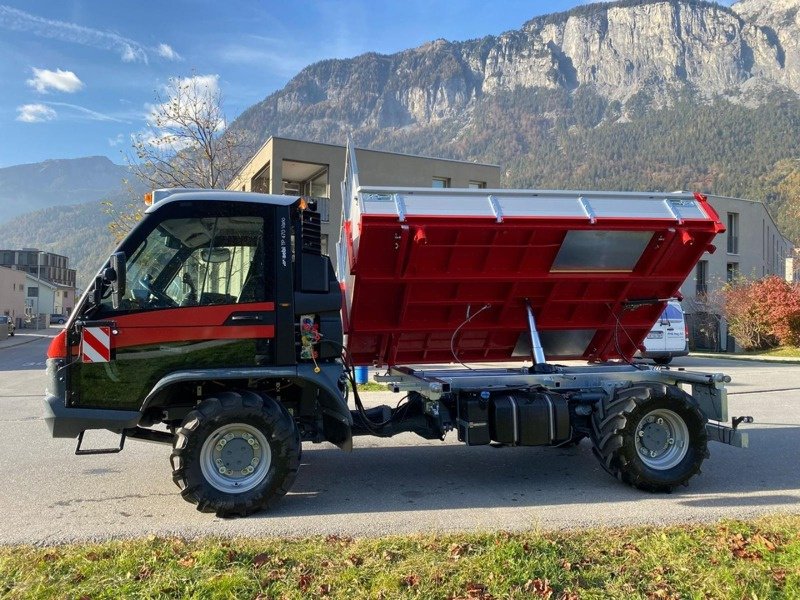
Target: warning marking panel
{"type": "Point", "coordinates": [96, 344]}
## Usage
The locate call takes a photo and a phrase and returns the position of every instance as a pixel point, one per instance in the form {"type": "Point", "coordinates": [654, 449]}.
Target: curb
{"type": "Point", "coordinates": [22, 342]}
{"type": "Point", "coordinates": [748, 358]}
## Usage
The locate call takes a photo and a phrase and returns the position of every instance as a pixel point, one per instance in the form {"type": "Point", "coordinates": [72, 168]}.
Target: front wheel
{"type": "Point", "coordinates": [235, 454]}
{"type": "Point", "coordinates": [652, 437]}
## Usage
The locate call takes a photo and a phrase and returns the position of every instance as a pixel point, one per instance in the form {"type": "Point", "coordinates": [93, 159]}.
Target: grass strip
{"type": "Point", "coordinates": [730, 559]}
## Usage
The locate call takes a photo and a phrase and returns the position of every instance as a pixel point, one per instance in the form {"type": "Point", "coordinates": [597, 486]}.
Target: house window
{"type": "Point", "coordinates": [477, 185]}
{"type": "Point", "coordinates": [701, 278]}
{"type": "Point", "coordinates": [732, 272]}
{"type": "Point", "coordinates": [33, 292]}
{"type": "Point", "coordinates": [733, 233]}
{"type": "Point", "coordinates": [441, 182]}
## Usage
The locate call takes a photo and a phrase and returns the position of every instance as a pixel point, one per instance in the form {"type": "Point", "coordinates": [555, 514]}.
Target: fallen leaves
{"type": "Point", "coordinates": [746, 548]}
{"type": "Point", "coordinates": [259, 560]}
{"type": "Point", "coordinates": [187, 561]}
{"type": "Point", "coordinates": [456, 551]}
{"type": "Point", "coordinates": [539, 588]}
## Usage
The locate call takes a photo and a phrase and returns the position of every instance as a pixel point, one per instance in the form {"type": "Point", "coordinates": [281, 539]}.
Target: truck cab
{"type": "Point", "coordinates": [212, 291]}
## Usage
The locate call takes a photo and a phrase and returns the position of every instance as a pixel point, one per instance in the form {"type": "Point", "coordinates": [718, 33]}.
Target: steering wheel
{"type": "Point", "coordinates": [161, 299]}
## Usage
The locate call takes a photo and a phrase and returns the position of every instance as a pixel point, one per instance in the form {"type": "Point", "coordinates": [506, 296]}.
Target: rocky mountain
{"type": "Point", "coordinates": [618, 49]}
{"type": "Point", "coordinates": [57, 183]}
{"type": "Point", "coordinates": [647, 94]}
{"type": "Point", "coordinates": [634, 94]}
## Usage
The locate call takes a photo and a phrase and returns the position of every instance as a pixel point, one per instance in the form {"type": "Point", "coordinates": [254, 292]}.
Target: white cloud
{"type": "Point", "coordinates": [35, 113]}
{"type": "Point", "coordinates": [62, 81]}
{"type": "Point", "coordinates": [117, 140]}
{"type": "Point", "coordinates": [17, 20]}
{"type": "Point", "coordinates": [166, 51]}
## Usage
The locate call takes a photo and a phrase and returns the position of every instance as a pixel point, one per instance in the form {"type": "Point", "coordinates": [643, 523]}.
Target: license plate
{"type": "Point", "coordinates": [655, 335]}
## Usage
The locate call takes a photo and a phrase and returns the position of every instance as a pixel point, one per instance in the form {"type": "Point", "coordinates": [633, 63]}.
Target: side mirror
{"type": "Point", "coordinates": [115, 276]}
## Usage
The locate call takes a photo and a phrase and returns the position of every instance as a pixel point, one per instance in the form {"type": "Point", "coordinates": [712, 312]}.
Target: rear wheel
{"type": "Point", "coordinates": [652, 437]}
{"type": "Point", "coordinates": [236, 454]}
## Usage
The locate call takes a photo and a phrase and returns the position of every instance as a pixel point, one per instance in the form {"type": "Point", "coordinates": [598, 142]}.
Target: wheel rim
{"type": "Point", "coordinates": [662, 439]}
{"type": "Point", "coordinates": [235, 458]}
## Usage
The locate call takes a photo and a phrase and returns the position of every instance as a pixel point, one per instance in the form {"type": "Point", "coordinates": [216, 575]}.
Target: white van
{"type": "Point", "coordinates": [669, 337]}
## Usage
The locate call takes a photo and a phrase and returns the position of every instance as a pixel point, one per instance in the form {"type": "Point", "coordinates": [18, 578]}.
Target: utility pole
{"type": "Point", "coordinates": [38, 284]}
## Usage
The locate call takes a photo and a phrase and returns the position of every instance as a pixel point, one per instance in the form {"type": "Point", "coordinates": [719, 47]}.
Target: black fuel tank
{"type": "Point", "coordinates": [522, 418]}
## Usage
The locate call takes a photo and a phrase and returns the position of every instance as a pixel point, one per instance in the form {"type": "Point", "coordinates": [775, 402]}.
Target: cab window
{"type": "Point", "coordinates": [197, 262]}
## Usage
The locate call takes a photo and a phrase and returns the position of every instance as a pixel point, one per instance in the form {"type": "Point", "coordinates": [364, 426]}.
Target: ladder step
{"type": "Point", "coordinates": [83, 452]}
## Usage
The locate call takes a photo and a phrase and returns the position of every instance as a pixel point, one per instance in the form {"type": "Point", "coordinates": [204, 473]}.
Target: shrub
{"type": "Point", "coordinates": [763, 313]}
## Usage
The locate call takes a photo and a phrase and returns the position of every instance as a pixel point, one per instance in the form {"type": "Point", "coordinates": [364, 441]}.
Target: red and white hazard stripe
{"type": "Point", "coordinates": [96, 344]}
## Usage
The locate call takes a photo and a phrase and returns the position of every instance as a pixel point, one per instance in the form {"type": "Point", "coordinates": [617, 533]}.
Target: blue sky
{"type": "Point", "coordinates": [78, 76]}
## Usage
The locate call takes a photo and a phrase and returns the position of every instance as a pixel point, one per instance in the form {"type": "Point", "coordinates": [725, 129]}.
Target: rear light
{"type": "Point", "coordinates": [686, 330]}
{"type": "Point", "coordinates": [58, 347]}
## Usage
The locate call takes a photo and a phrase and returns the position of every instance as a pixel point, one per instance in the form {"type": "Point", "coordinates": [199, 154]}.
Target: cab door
{"type": "Point", "coordinates": [198, 295]}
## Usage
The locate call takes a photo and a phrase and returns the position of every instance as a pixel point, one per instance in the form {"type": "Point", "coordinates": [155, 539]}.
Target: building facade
{"type": "Point", "coordinates": [47, 265]}
{"type": "Point", "coordinates": [12, 295]}
{"type": "Point", "coordinates": [286, 166]}
{"type": "Point", "coordinates": [752, 247]}
{"type": "Point", "coordinates": [40, 300]}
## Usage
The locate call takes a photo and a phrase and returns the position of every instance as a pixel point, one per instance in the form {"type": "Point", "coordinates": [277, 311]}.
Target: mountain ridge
{"type": "Point", "coordinates": [631, 95]}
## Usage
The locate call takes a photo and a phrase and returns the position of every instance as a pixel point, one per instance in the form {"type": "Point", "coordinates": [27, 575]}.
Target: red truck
{"type": "Point", "coordinates": [219, 327]}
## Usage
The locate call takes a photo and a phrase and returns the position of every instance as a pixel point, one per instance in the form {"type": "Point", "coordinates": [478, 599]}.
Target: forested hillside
{"type": "Point", "coordinates": [653, 94]}
{"type": "Point", "coordinates": [630, 95]}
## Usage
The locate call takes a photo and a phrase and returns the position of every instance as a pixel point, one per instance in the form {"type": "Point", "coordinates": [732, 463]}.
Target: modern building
{"type": "Point", "coordinates": [12, 295]}
{"type": "Point", "coordinates": [752, 248]}
{"type": "Point", "coordinates": [286, 166]}
{"type": "Point", "coordinates": [47, 265]}
{"type": "Point", "coordinates": [54, 272]}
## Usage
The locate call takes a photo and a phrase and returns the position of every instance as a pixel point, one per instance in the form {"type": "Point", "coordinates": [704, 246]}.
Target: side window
{"type": "Point", "coordinates": [198, 262]}
{"type": "Point", "coordinates": [233, 273]}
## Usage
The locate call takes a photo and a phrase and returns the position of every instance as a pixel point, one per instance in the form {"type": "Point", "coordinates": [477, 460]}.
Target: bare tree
{"type": "Point", "coordinates": [186, 143]}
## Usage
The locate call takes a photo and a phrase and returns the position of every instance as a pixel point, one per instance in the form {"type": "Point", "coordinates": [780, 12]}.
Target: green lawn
{"type": "Point", "coordinates": [785, 351]}
{"type": "Point", "coordinates": [731, 559]}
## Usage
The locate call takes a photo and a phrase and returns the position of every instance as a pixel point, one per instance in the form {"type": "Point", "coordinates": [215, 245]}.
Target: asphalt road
{"type": "Point", "coordinates": [392, 486]}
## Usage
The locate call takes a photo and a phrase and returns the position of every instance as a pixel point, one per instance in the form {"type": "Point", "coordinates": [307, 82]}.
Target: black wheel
{"type": "Point", "coordinates": [235, 454]}
{"type": "Point", "coordinates": [651, 436]}
{"type": "Point", "coordinates": [663, 360]}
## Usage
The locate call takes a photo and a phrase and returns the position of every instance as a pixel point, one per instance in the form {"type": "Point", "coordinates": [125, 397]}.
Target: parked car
{"type": "Point", "coordinates": [57, 319]}
{"type": "Point", "coordinates": [669, 336]}
{"type": "Point", "coordinates": [6, 321]}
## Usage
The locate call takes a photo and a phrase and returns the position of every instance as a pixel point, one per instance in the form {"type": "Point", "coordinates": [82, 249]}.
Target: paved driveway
{"type": "Point", "coordinates": [398, 485]}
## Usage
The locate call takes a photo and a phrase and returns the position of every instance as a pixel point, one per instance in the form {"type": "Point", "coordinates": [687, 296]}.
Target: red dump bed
{"type": "Point", "coordinates": [432, 276]}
